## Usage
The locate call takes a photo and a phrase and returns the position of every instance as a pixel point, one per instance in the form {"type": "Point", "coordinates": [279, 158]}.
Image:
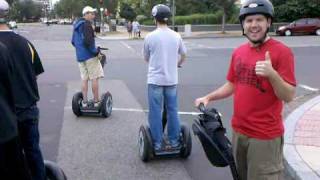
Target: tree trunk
{"type": "Point", "coordinates": [223, 21]}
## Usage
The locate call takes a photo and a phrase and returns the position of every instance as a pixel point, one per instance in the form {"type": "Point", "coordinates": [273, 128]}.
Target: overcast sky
{"type": "Point", "coordinates": [54, 1]}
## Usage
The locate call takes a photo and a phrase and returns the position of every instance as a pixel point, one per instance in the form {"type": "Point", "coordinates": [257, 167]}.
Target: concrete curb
{"type": "Point", "coordinates": [183, 37]}
{"type": "Point", "coordinates": [295, 165]}
{"type": "Point", "coordinates": [212, 34]}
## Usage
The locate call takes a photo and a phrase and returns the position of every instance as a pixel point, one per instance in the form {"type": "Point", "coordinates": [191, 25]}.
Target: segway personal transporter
{"type": "Point", "coordinates": [53, 171]}
{"type": "Point", "coordinates": [105, 107]}
{"type": "Point", "coordinates": [145, 143]}
{"type": "Point", "coordinates": [212, 135]}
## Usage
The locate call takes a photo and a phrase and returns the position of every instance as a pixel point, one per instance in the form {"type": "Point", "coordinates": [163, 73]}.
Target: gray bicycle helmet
{"type": "Point", "coordinates": [161, 12]}
{"type": "Point", "coordinates": [4, 11]}
{"type": "Point", "coordinates": [251, 7]}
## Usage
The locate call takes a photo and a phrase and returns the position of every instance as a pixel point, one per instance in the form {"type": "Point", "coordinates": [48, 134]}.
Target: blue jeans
{"type": "Point", "coordinates": [157, 95]}
{"type": "Point", "coordinates": [28, 120]}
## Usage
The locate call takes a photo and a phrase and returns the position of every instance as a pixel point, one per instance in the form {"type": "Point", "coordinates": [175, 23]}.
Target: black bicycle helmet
{"type": "Point", "coordinates": [161, 12]}
{"type": "Point", "coordinates": [251, 7]}
{"type": "Point", "coordinates": [4, 11]}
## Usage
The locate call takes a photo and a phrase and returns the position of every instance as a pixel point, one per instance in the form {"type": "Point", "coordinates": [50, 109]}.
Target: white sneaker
{"type": "Point", "coordinates": [96, 104]}
{"type": "Point", "coordinates": [84, 104]}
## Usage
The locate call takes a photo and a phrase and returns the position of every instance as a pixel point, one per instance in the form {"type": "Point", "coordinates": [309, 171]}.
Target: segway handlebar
{"type": "Point", "coordinates": [103, 48]}
{"type": "Point", "coordinates": [204, 110]}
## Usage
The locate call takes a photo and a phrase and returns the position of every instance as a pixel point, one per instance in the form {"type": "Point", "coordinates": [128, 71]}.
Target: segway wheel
{"type": "Point", "coordinates": [76, 101]}
{"type": "Point", "coordinates": [145, 144]}
{"type": "Point", "coordinates": [53, 171]}
{"type": "Point", "coordinates": [187, 142]}
{"type": "Point", "coordinates": [106, 106]}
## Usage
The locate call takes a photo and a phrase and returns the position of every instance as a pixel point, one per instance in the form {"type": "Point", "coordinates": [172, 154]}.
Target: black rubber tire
{"type": "Point", "coordinates": [106, 105]}
{"type": "Point", "coordinates": [187, 142]}
{"type": "Point", "coordinates": [53, 171]}
{"type": "Point", "coordinates": [103, 59]}
{"type": "Point", "coordinates": [145, 144]}
{"type": "Point", "coordinates": [76, 100]}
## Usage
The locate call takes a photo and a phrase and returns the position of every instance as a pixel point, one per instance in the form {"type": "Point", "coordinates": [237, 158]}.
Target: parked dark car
{"type": "Point", "coordinates": [300, 26]}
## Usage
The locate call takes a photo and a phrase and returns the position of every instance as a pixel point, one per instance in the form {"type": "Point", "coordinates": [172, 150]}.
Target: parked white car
{"type": "Point", "coordinates": [12, 24]}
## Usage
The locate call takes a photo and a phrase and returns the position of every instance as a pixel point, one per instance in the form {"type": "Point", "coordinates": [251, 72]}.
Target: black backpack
{"type": "Point", "coordinates": [212, 135]}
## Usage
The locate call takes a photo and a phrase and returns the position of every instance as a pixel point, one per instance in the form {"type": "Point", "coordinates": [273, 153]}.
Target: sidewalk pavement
{"type": "Point", "coordinates": [302, 141]}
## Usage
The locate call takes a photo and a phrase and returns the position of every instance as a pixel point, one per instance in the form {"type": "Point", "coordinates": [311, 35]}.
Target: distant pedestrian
{"type": "Point", "coordinates": [129, 28]}
{"type": "Point", "coordinates": [136, 29]}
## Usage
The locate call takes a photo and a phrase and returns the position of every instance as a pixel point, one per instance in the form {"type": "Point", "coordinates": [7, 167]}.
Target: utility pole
{"type": "Point", "coordinates": [173, 14]}
{"type": "Point", "coordinates": [101, 16]}
{"type": "Point", "coordinates": [102, 23]}
{"type": "Point", "coordinates": [46, 9]}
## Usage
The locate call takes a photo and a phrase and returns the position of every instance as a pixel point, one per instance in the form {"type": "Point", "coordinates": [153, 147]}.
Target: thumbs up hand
{"type": "Point", "coordinates": [264, 68]}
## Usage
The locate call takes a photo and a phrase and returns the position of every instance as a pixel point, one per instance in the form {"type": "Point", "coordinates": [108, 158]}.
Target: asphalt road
{"type": "Point", "coordinates": [205, 70]}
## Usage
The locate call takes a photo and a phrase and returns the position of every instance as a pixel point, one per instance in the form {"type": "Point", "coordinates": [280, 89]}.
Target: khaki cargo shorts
{"type": "Point", "coordinates": [258, 159]}
{"type": "Point", "coordinates": [91, 69]}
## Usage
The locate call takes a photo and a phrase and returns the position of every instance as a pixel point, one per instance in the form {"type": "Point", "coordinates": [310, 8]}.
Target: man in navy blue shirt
{"type": "Point", "coordinates": [27, 65]}
{"type": "Point", "coordinates": [12, 161]}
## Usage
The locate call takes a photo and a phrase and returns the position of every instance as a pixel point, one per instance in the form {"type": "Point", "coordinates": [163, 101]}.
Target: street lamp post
{"type": "Point", "coordinates": [46, 13]}
{"type": "Point", "coordinates": [101, 16]}
{"type": "Point", "coordinates": [173, 11]}
{"type": "Point", "coordinates": [173, 15]}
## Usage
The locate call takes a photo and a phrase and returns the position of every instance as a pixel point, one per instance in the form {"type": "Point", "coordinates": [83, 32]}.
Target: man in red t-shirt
{"type": "Point", "coordinates": [260, 77]}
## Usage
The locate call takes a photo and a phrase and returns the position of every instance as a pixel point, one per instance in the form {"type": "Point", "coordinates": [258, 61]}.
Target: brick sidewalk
{"type": "Point", "coordinates": [307, 131]}
{"type": "Point", "coordinates": [302, 138]}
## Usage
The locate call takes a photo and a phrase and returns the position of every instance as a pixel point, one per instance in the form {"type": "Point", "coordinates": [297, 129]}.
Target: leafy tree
{"type": "Point", "coordinates": [25, 10]}
{"type": "Point", "coordinates": [226, 6]}
{"type": "Point", "coordinates": [127, 12]}
{"type": "Point", "coordinates": [188, 7]}
{"type": "Point", "coordinates": [289, 10]}
{"type": "Point", "coordinates": [69, 8]}
{"type": "Point", "coordinates": [73, 8]}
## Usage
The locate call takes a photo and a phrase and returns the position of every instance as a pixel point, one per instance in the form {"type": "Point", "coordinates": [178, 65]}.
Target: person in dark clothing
{"type": "Point", "coordinates": [12, 160]}
{"type": "Point", "coordinates": [27, 65]}
{"type": "Point", "coordinates": [87, 54]}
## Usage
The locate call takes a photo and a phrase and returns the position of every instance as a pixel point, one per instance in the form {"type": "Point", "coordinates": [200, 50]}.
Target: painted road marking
{"type": "Point", "coordinates": [308, 88]}
{"type": "Point", "coordinates": [144, 111]}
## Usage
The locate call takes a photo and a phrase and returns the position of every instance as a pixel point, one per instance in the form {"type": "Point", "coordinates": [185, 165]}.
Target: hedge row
{"type": "Point", "coordinates": [193, 19]}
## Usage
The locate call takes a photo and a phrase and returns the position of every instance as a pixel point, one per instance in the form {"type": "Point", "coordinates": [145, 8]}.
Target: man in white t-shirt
{"type": "Point", "coordinates": [135, 28]}
{"type": "Point", "coordinates": [164, 51]}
